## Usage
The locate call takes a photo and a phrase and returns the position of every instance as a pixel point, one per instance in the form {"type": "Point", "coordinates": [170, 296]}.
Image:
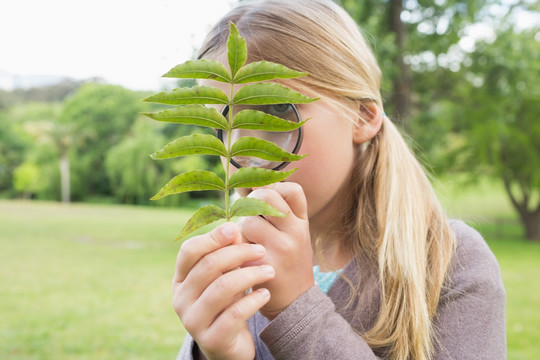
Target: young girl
{"type": "Point", "coordinates": [394, 278]}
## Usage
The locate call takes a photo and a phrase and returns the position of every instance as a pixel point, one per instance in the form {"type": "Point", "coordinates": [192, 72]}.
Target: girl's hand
{"type": "Point", "coordinates": [209, 291]}
{"type": "Point", "coordinates": [287, 241]}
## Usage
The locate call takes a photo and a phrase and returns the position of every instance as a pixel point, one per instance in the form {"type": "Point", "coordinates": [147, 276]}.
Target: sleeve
{"type": "Point", "coordinates": [310, 328]}
{"type": "Point", "coordinates": [470, 320]}
{"type": "Point", "coordinates": [186, 351]}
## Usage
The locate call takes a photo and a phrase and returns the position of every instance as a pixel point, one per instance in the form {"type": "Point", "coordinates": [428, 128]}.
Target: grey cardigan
{"type": "Point", "coordinates": [470, 319]}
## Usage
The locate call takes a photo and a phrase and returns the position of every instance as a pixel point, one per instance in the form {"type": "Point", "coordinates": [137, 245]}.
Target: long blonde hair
{"type": "Point", "coordinates": [394, 221]}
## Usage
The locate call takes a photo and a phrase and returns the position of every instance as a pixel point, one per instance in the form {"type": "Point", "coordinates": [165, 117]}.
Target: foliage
{"type": "Point", "coordinates": [12, 144]}
{"type": "Point", "coordinates": [192, 112]}
{"type": "Point", "coordinates": [43, 94]}
{"type": "Point", "coordinates": [132, 172]}
{"type": "Point", "coordinates": [27, 179]}
{"type": "Point", "coordinates": [466, 109]}
{"type": "Point", "coordinates": [99, 117]}
{"type": "Point", "coordinates": [408, 39]}
{"type": "Point", "coordinates": [498, 119]}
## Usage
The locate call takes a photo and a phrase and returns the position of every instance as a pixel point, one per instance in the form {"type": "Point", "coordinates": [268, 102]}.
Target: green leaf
{"type": "Point", "coordinates": [196, 180]}
{"type": "Point", "coordinates": [251, 146]}
{"type": "Point", "coordinates": [192, 115]}
{"type": "Point", "coordinates": [193, 95]}
{"type": "Point", "coordinates": [269, 93]}
{"type": "Point", "coordinates": [264, 70]}
{"type": "Point", "coordinates": [197, 144]}
{"type": "Point", "coordinates": [200, 69]}
{"type": "Point", "coordinates": [204, 216]}
{"type": "Point", "coordinates": [258, 120]}
{"type": "Point", "coordinates": [236, 50]}
{"type": "Point", "coordinates": [251, 177]}
{"type": "Point", "coordinates": [253, 207]}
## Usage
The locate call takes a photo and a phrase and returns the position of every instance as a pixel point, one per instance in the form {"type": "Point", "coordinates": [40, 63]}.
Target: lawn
{"type": "Point", "coordinates": [87, 281]}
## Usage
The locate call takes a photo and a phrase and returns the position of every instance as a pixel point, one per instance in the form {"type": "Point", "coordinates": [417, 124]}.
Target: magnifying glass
{"type": "Point", "coordinates": [288, 140]}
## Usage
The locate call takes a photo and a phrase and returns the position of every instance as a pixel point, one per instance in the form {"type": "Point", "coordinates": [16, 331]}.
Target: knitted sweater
{"type": "Point", "coordinates": [469, 323]}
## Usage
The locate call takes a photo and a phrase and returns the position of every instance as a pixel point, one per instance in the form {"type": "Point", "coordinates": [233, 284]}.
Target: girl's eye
{"type": "Point", "coordinates": [279, 109]}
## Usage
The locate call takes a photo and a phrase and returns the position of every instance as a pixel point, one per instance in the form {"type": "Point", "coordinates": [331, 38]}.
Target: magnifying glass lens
{"type": "Point", "coordinates": [288, 141]}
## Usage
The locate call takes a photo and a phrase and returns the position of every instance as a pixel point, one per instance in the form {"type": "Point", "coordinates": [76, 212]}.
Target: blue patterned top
{"type": "Point", "coordinates": [325, 280]}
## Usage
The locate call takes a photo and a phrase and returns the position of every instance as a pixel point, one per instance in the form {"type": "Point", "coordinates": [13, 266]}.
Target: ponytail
{"type": "Point", "coordinates": [408, 241]}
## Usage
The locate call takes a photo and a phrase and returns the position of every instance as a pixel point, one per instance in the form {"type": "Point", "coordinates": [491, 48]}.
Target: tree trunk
{"type": "Point", "coordinates": [401, 97]}
{"type": "Point", "coordinates": [530, 219]}
{"type": "Point", "coordinates": [531, 223]}
{"type": "Point", "coordinates": [65, 178]}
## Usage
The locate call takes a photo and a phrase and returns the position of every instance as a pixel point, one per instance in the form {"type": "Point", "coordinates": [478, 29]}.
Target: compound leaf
{"type": "Point", "coordinates": [192, 115]}
{"type": "Point", "coordinates": [200, 69]}
{"type": "Point", "coordinates": [251, 177]}
{"type": "Point", "coordinates": [258, 120]}
{"type": "Point", "coordinates": [204, 216]}
{"type": "Point", "coordinates": [236, 50]}
{"type": "Point", "coordinates": [196, 180]}
{"type": "Point", "coordinates": [253, 207]}
{"type": "Point", "coordinates": [264, 70]}
{"type": "Point", "coordinates": [251, 146]}
{"type": "Point", "coordinates": [267, 94]}
{"type": "Point", "coordinates": [193, 95]}
{"type": "Point", "coordinates": [196, 144]}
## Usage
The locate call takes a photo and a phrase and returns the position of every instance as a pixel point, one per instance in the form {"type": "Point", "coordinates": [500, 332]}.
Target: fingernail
{"type": "Point", "coordinates": [264, 293]}
{"type": "Point", "coordinates": [269, 270]}
{"type": "Point", "coordinates": [259, 249]}
{"type": "Point", "coordinates": [229, 230]}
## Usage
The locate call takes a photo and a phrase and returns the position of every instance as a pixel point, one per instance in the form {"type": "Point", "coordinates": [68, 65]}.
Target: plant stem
{"type": "Point", "coordinates": [229, 138]}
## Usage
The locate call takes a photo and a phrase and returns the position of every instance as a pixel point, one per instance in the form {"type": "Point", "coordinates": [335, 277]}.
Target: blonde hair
{"type": "Point", "coordinates": [394, 222]}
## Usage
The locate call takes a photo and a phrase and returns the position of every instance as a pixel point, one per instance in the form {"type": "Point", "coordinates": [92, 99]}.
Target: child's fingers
{"type": "Point", "coordinates": [219, 295]}
{"type": "Point", "coordinates": [210, 268]}
{"type": "Point", "coordinates": [286, 197]}
{"type": "Point", "coordinates": [194, 249]}
{"type": "Point", "coordinates": [258, 230]}
{"type": "Point", "coordinates": [231, 321]}
{"type": "Point", "coordinates": [292, 194]}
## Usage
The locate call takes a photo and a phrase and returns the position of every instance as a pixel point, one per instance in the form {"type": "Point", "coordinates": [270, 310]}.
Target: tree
{"type": "Point", "coordinates": [498, 118]}
{"type": "Point", "coordinates": [100, 115]}
{"type": "Point", "coordinates": [133, 174]}
{"type": "Point", "coordinates": [13, 145]}
{"type": "Point", "coordinates": [474, 112]}
{"type": "Point", "coordinates": [27, 179]}
{"type": "Point", "coordinates": [409, 32]}
{"type": "Point", "coordinates": [61, 137]}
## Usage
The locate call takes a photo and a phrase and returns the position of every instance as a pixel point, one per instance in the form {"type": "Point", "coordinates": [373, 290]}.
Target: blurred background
{"type": "Point", "coordinates": [86, 259]}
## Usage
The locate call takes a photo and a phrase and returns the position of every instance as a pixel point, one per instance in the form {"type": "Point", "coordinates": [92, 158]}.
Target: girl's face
{"type": "Point", "coordinates": [330, 140]}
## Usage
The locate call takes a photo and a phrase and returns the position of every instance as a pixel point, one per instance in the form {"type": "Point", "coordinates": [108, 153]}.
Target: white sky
{"type": "Point", "coordinates": [126, 42]}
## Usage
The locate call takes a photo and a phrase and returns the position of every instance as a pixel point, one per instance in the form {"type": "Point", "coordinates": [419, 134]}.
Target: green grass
{"type": "Point", "coordinates": [520, 267]}
{"type": "Point", "coordinates": [485, 207]}
{"type": "Point", "coordinates": [88, 281]}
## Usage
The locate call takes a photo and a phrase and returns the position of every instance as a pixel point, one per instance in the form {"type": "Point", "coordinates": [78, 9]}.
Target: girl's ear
{"type": "Point", "coordinates": [369, 122]}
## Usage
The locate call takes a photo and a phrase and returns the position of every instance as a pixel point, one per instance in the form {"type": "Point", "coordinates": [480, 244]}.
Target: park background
{"type": "Point", "coordinates": [86, 259]}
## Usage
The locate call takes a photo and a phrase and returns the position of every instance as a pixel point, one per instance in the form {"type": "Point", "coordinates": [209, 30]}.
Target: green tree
{"type": "Point", "coordinates": [100, 115]}
{"type": "Point", "coordinates": [498, 119]}
{"type": "Point", "coordinates": [28, 180]}
{"type": "Point", "coordinates": [132, 173]}
{"type": "Point", "coordinates": [61, 137]}
{"type": "Point", "coordinates": [408, 37]}
{"type": "Point", "coordinates": [13, 145]}
{"type": "Point", "coordinates": [22, 134]}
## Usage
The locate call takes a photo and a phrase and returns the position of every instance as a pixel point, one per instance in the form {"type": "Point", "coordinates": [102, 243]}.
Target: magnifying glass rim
{"type": "Point", "coordinates": [225, 111]}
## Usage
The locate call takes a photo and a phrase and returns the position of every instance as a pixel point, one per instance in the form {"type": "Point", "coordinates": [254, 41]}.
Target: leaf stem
{"type": "Point", "coordinates": [227, 163]}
